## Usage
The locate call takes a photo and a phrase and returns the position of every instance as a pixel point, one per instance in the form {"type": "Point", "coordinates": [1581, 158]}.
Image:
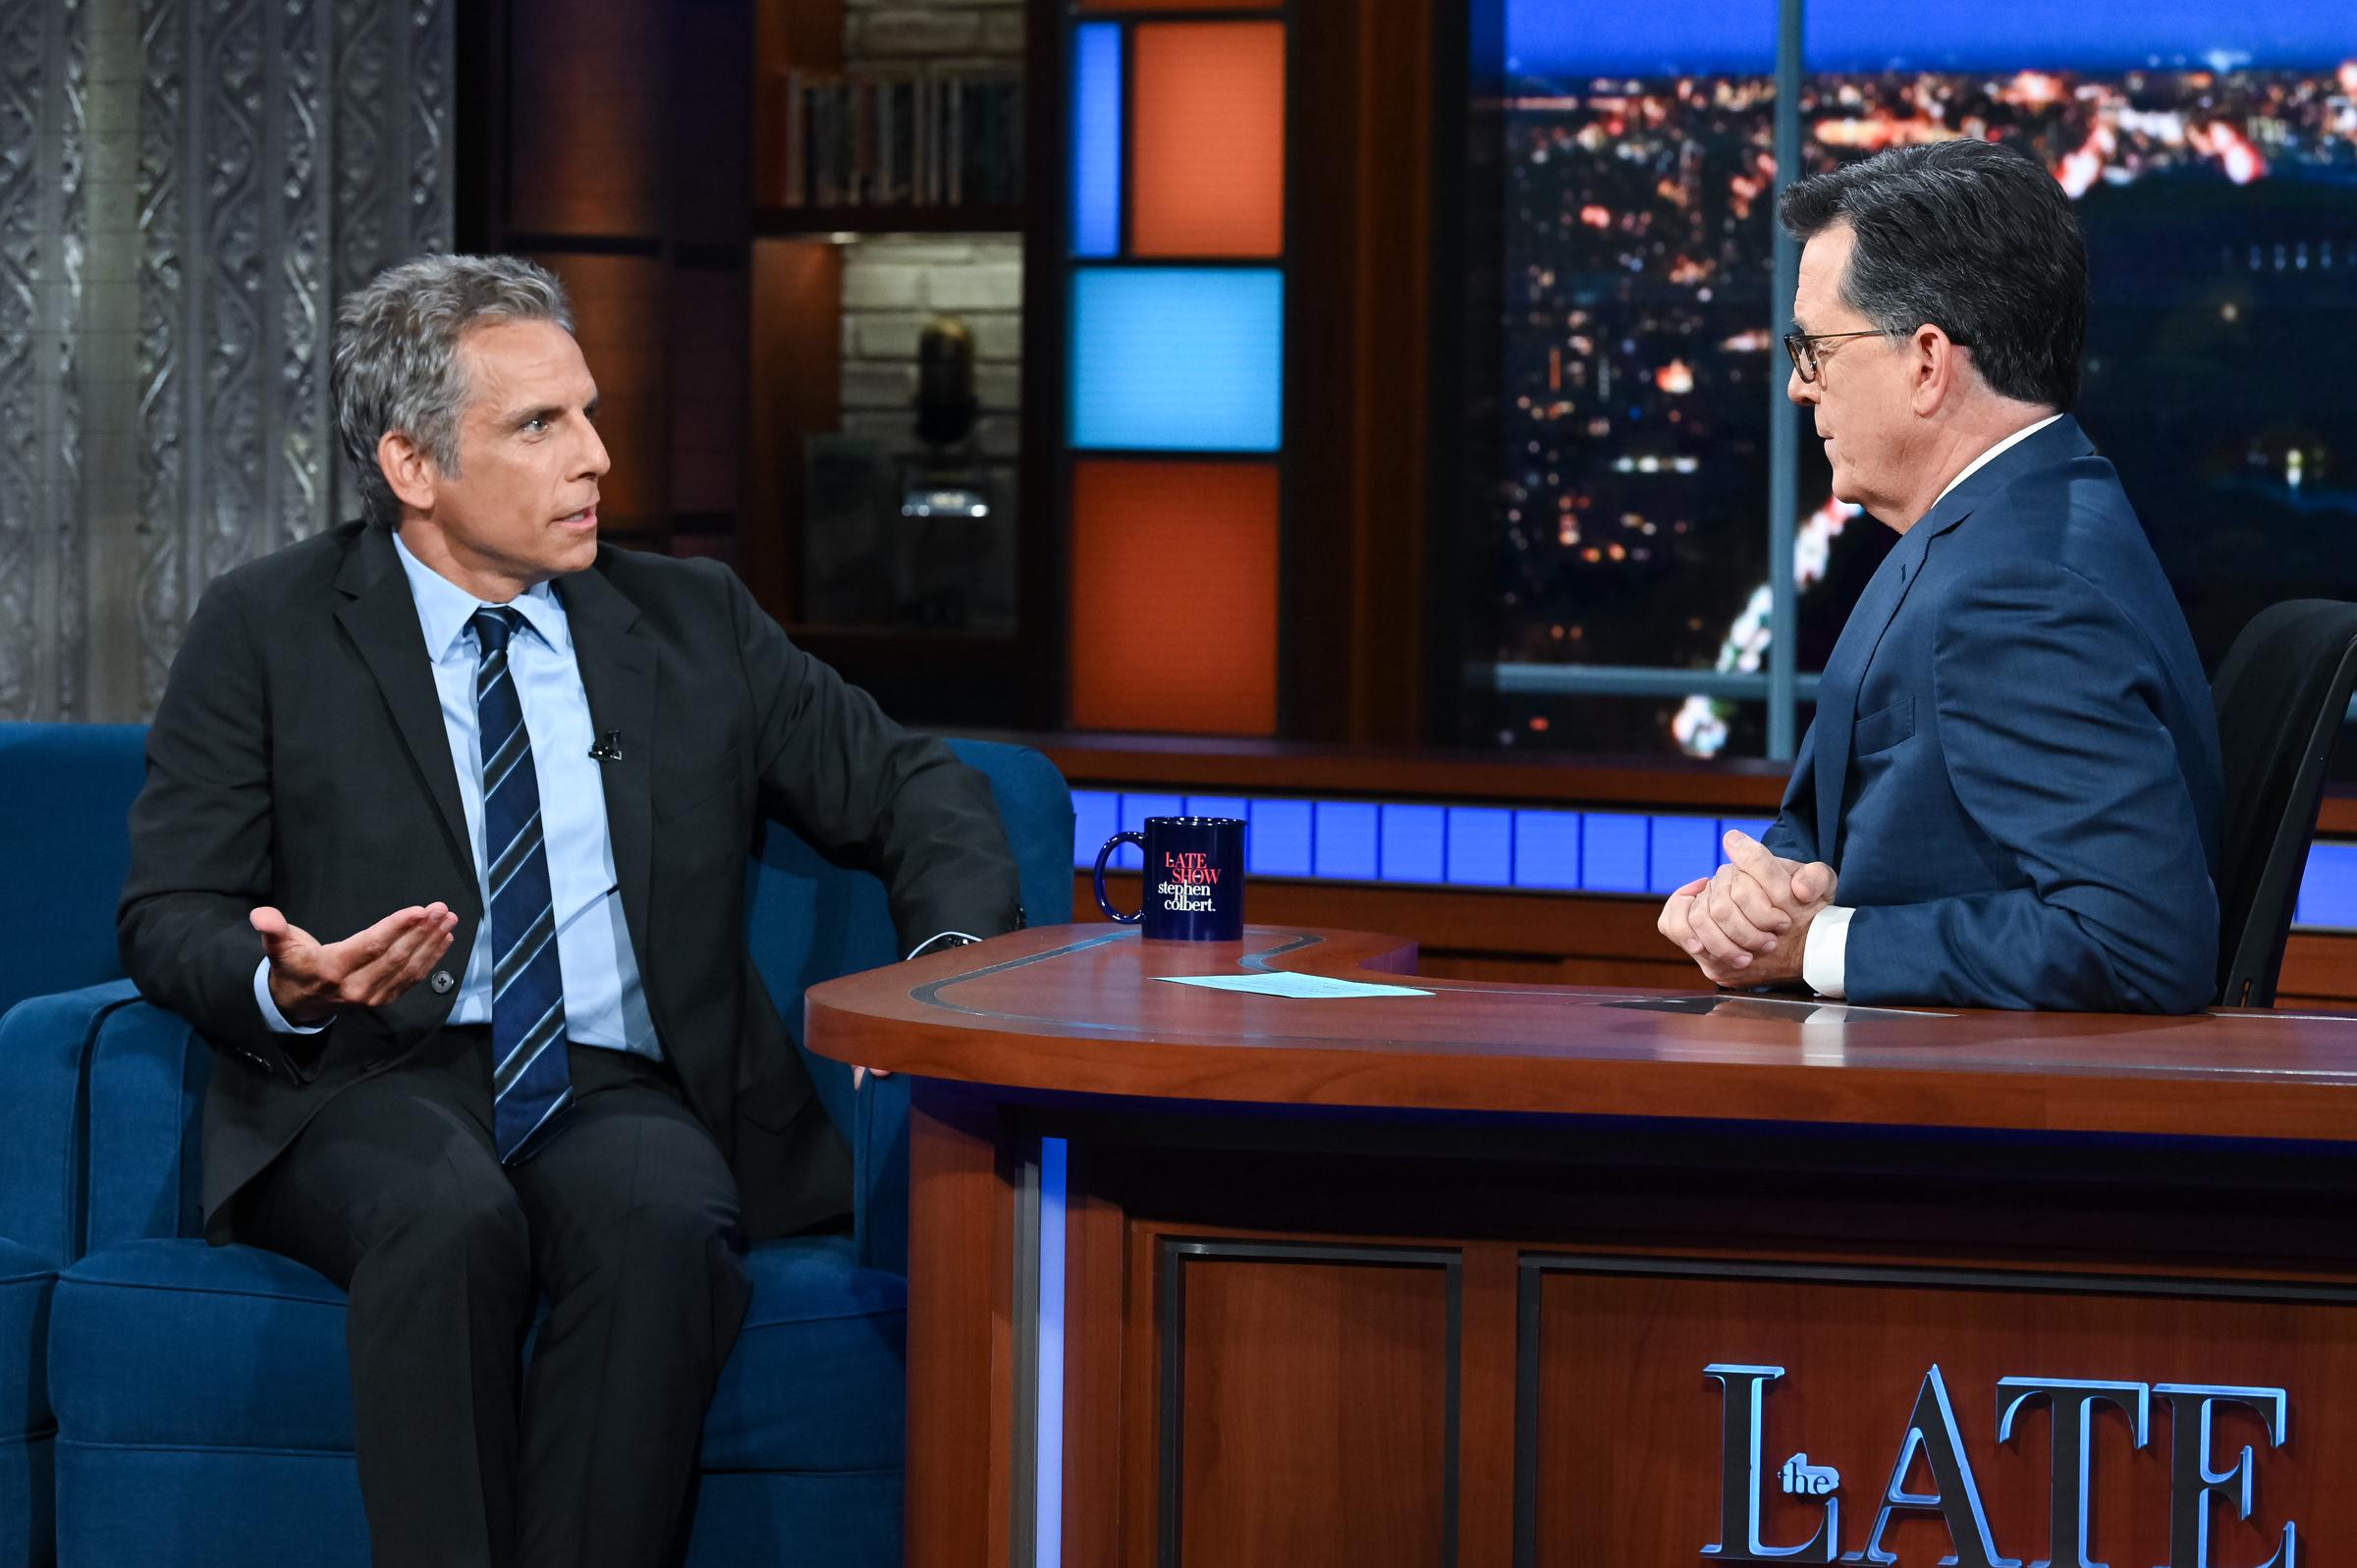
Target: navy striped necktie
{"type": "Point", "coordinates": [530, 1083]}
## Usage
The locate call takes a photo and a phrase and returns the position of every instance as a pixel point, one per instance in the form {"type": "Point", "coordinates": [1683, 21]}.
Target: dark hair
{"type": "Point", "coordinates": [1976, 239]}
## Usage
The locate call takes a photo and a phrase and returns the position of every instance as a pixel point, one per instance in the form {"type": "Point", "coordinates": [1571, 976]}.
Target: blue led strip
{"type": "Point", "coordinates": [1048, 1392]}
{"type": "Point", "coordinates": [2328, 888]}
{"type": "Point", "coordinates": [1534, 848]}
{"type": "Point", "coordinates": [1096, 151]}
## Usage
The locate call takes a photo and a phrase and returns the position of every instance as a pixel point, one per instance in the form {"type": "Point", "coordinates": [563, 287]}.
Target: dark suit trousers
{"type": "Point", "coordinates": [626, 1220]}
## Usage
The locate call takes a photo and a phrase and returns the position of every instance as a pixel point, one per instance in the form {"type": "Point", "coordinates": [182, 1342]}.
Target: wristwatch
{"type": "Point", "coordinates": [947, 939]}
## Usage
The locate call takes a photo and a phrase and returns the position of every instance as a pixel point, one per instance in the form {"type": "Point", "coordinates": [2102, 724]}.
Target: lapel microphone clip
{"type": "Point", "coordinates": [608, 747]}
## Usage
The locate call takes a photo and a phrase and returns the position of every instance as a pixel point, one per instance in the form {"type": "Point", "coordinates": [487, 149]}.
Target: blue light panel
{"type": "Point", "coordinates": [1683, 848]}
{"type": "Point", "coordinates": [1178, 358]}
{"type": "Point", "coordinates": [1534, 848]}
{"type": "Point", "coordinates": [1481, 846]}
{"type": "Point", "coordinates": [1547, 850]}
{"type": "Point", "coordinates": [1611, 852]}
{"type": "Point", "coordinates": [1135, 810]}
{"type": "Point", "coordinates": [1757, 826]}
{"type": "Point", "coordinates": [1416, 843]}
{"type": "Point", "coordinates": [1096, 817]}
{"type": "Point", "coordinates": [1348, 834]}
{"type": "Point", "coordinates": [1277, 839]}
{"type": "Point", "coordinates": [1096, 170]}
{"type": "Point", "coordinates": [2328, 887]}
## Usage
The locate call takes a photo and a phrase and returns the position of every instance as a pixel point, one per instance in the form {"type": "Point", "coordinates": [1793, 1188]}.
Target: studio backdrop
{"type": "Point", "coordinates": [187, 189]}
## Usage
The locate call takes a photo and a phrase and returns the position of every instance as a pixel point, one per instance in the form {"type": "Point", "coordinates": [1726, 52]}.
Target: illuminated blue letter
{"type": "Point", "coordinates": [2193, 1484]}
{"type": "Point", "coordinates": [2074, 1402]}
{"type": "Point", "coordinates": [1957, 1502]}
{"type": "Point", "coordinates": [1739, 1478]}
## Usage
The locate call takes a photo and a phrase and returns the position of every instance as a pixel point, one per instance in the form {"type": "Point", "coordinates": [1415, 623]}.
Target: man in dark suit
{"type": "Point", "coordinates": [2010, 795]}
{"type": "Point", "coordinates": [442, 846]}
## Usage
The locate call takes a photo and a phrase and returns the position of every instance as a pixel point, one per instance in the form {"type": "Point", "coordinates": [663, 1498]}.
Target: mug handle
{"type": "Point", "coordinates": [1105, 903]}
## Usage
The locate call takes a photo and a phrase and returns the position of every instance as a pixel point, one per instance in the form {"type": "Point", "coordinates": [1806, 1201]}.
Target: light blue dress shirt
{"type": "Point", "coordinates": [605, 1003]}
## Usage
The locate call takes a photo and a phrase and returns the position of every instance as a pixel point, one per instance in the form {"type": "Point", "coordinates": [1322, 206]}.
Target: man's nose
{"type": "Point", "coordinates": [594, 462]}
{"type": "Point", "coordinates": [1800, 392]}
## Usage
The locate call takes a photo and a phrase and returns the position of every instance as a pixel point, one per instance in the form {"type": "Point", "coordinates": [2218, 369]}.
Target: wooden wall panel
{"type": "Point", "coordinates": [613, 143]}
{"type": "Point", "coordinates": [585, 117]}
{"type": "Point", "coordinates": [1361, 240]}
{"type": "Point", "coordinates": [707, 175]}
{"type": "Point", "coordinates": [617, 308]}
{"type": "Point", "coordinates": [709, 327]}
{"type": "Point", "coordinates": [960, 1210]}
{"type": "Point", "coordinates": [1317, 1427]}
{"type": "Point", "coordinates": [1628, 1429]}
{"type": "Point", "coordinates": [797, 387]}
{"type": "Point", "coordinates": [1363, 773]}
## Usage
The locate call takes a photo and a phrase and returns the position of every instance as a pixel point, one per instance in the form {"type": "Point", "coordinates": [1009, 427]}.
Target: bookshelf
{"type": "Point", "coordinates": [839, 289]}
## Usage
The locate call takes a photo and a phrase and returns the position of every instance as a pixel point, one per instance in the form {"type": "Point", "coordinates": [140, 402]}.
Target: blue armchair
{"type": "Point", "coordinates": [66, 790]}
{"type": "Point", "coordinates": [202, 1406]}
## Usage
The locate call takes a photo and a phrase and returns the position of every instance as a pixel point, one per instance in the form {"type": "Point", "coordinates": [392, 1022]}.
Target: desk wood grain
{"type": "Point", "coordinates": [1081, 1010]}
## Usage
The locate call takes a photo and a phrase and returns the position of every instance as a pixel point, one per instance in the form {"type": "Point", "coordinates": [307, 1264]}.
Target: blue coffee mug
{"type": "Point", "coordinates": [1194, 878]}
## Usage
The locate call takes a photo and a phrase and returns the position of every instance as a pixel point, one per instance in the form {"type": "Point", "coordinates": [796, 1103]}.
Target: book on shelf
{"type": "Point", "coordinates": [914, 138]}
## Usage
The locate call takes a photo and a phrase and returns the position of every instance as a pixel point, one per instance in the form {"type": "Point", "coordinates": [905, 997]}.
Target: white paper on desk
{"type": "Point", "coordinates": [1312, 987]}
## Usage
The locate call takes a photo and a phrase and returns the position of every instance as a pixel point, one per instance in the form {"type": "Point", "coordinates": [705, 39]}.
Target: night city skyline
{"type": "Point", "coordinates": [1640, 344]}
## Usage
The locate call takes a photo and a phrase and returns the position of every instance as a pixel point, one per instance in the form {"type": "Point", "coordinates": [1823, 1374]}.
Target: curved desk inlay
{"type": "Point", "coordinates": [1038, 1010]}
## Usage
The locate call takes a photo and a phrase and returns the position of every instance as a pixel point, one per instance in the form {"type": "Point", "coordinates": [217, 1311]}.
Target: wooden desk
{"type": "Point", "coordinates": [1501, 1274]}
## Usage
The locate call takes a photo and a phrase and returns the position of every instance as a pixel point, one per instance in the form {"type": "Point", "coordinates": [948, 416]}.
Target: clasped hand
{"type": "Point", "coordinates": [1749, 924]}
{"type": "Point", "coordinates": [311, 979]}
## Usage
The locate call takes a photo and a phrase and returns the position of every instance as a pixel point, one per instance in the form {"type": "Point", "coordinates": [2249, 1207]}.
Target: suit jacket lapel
{"type": "Point", "coordinates": [1845, 671]}
{"type": "Point", "coordinates": [381, 619]}
{"type": "Point", "coordinates": [1853, 651]}
{"type": "Point", "coordinates": [1838, 693]}
{"type": "Point", "coordinates": [618, 673]}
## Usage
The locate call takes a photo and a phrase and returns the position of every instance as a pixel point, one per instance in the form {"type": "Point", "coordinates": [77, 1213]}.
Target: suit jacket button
{"type": "Point", "coordinates": [442, 982]}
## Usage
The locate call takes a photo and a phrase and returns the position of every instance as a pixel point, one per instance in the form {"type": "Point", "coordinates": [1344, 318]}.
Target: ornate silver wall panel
{"type": "Point", "coordinates": [275, 153]}
{"type": "Point", "coordinates": [44, 83]}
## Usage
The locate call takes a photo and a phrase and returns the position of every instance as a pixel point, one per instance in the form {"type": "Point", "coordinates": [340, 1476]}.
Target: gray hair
{"type": "Point", "coordinates": [397, 361]}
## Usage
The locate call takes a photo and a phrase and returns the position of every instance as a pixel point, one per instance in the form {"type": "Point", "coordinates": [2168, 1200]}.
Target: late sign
{"type": "Point", "coordinates": [2198, 1486]}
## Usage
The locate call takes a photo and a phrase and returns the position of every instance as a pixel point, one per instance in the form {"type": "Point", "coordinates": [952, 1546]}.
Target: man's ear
{"type": "Point", "coordinates": [408, 470]}
{"type": "Point", "coordinates": [1938, 367]}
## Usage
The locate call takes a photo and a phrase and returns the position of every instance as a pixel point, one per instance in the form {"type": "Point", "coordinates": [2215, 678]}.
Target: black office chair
{"type": "Point", "coordinates": [2281, 695]}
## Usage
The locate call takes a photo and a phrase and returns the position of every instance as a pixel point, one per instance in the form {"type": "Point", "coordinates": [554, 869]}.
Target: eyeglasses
{"type": "Point", "coordinates": [1802, 347]}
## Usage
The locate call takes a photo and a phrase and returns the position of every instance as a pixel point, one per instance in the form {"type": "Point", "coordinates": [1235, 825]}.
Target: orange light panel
{"type": "Point", "coordinates": [1174, 597]}
{"type": "Point", "coordinates": [1208, 130]}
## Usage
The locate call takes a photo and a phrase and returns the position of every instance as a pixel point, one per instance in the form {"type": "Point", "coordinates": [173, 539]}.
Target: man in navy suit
{"type": "Point", "coordinates": [2010, 795]}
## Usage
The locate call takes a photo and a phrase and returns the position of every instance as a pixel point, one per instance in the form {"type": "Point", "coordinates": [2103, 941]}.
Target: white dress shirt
{"type": "Point", "coordinates": [1824, 952]}
{"type": "Point", "coordinates": [605, 1003]}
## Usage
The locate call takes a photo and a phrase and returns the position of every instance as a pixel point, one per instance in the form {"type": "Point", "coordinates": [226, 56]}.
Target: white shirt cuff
{"type": "Point", "coordinates": [278, 1020]}
{"type": "Point", "coordinates": [1825, 954]}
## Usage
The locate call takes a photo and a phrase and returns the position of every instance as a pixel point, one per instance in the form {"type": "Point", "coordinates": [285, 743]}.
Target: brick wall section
{"type": "Point", "coordinates": [893, 285]}
{"type": "Point", "coordinates": [877, 31]}
{"type": "Point", "coordinates": [890, 288]}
